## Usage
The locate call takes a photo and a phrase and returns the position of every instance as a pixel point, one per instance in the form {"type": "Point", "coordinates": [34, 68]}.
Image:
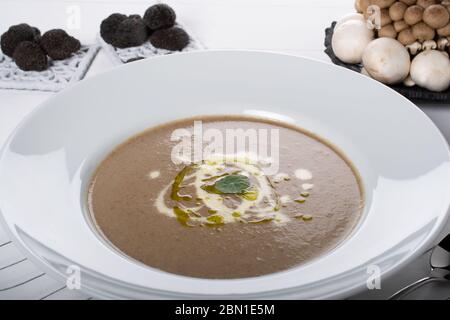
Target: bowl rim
{"type": "Point", "coordinates": [281, 293]}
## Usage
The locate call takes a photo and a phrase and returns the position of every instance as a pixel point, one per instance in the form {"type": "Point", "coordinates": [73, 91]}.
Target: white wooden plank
{"type": "Point", "coordinates": [18, 273]}
{"type": "Point", "coordinates": [9, 254]}
{"type": "Point", "coordinates": [66, 294]}
{"type": "Point", "coordinates": [3, 236]}
{"type": "Point", "coordinates": [33, 289]}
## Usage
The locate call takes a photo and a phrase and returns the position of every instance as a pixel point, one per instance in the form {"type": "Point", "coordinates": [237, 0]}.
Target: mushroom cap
{"type": "Point", "coordinates": [397, 11]}
{"type": "Point", "coordinates": [409, 2]}
{"type": "Point", "coordinates": [350, 39]}
{"type": "Point", "coordinates": [386, 60]}
{"type": "Point", "coordinates": [385, 18]}
{"type": "Point", "coordinates": [436, 16]}
{"type": "Point", "coordinates": [387, 31]}
{"type": "Point", "coordinates": [431, 70]}
{"type": "Point", "coordinates": [361, 5]}
{"type": "Point", "coordinates": [423, 32]}
{"type": "Point", "coordinates": [426, 3]}
{"type": "Point", "coordinates": [382, 3]}
{"type": "Point", "coordinates": [445, 31]}
{"type": "Point", "coordinates": [413, 15]}
{"type": "Point", "coordinates": [358, 6]}
{"type": "Point", "coordinates": [350, 16]}
{"type": "Point", "coordinates": [400, 25]}
{"type": "Point", "coordinates": [406, 37]}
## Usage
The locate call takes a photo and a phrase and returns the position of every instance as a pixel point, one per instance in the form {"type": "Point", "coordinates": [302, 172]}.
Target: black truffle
{"type": "Point", "coordinates": [174, 39]}
{"type": "Point", "coordinates": [159, 16]}
{"type": "Point", "coordinates": [15, 35]}
{"type": "Point", "coordinates": [29, 56]}
{"type": "Point", "coordinates": [108, 27]}
{"type": "Point", "coordinates": [59, 45]}
{"type": "Point", "coordinates": [131, 32]}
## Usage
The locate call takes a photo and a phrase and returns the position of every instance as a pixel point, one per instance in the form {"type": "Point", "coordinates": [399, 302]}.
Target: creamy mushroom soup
{"type": "Point", "coordinates": [286, 198]}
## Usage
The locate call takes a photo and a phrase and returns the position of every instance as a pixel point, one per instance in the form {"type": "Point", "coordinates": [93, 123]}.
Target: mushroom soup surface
{"type": "Point", "coordinates": [286, 198]}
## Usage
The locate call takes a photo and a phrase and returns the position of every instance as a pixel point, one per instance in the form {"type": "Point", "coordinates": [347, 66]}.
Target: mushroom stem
{"type": "Point", "coordinates": [429, 45]}
{"type": "Point", "coordinates": [409, 82]}
{"type": "Point", "coordinates": [442, 44]}
{"type": "Point", "coordinates": [414, 48]}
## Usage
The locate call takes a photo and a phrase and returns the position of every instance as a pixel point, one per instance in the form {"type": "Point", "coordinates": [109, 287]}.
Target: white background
{"type": "Point", "coordinates": [288, 26]}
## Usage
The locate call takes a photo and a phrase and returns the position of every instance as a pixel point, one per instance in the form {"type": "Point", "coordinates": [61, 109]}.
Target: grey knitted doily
{"type": "Point", "coordinates": [147, 50]}
{"type": "Point", "coordinates": [59, 74]}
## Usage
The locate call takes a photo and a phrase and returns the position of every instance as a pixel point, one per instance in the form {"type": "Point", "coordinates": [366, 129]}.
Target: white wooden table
{"type": "Point", "coordinates": [288, 26]}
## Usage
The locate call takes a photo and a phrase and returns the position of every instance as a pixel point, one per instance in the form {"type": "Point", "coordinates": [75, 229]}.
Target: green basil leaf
{"type": "Point", "coordinates": [234, 184]}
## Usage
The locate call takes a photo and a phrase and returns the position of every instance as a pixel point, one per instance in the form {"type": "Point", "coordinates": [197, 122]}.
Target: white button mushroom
{"type": "Point", "coordinates": [350, 39]}
{"type": "Point", "coordinates": [350, 16]}
{"type": "Point", "coordinates": [431, 70]}
{"type": "Point", "coordinates": [386, 60]}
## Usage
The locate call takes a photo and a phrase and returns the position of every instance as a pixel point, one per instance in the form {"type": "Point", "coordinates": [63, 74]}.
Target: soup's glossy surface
{"type": "Point", "coordinates": [226, 217]}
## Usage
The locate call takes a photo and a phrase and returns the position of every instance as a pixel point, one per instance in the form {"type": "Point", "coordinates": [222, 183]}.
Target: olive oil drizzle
{"type": "Point", "coordinates": [255, 201]}
{"type": "Point", "coordinates": [176, 186]}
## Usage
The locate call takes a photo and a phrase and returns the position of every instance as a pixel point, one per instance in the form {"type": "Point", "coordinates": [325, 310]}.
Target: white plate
{"type": "Point", "coordinates": [402, 157]}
